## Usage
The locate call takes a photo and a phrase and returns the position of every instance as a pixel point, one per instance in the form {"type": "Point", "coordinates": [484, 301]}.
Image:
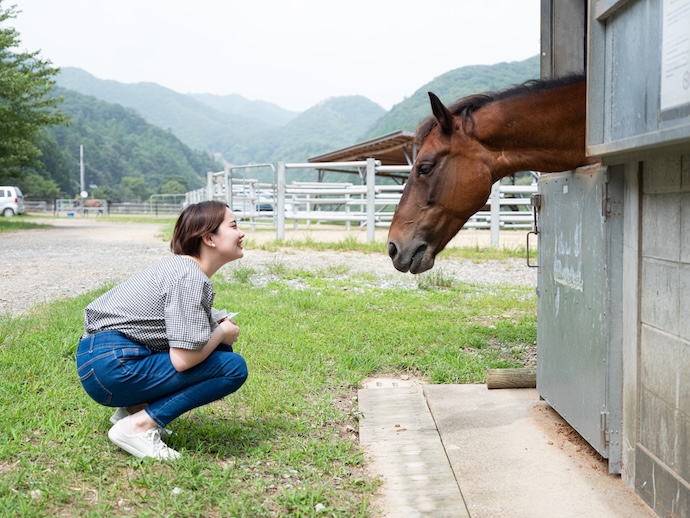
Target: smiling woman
{"type": "Point", "coordinates": [153, 346]}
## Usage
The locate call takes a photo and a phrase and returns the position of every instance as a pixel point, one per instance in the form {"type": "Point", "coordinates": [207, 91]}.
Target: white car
{"type": "Point", "coordinates": [11, 201]}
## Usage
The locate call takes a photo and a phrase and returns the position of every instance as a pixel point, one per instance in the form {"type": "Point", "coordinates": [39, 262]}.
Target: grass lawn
{"type": "Point", "coordinates": [19, 223]}
{"type": "Point", "coordinates": [287, 440]}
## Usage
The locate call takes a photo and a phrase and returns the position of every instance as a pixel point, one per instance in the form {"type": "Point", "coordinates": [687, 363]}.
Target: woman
{"type": "Point", "coordinates": [151, 345]}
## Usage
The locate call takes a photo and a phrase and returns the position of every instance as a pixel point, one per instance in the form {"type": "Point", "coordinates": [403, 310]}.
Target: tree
{"type": "Point", "coordinates": [25, 105]}
{"type": "Point", "coordinates": [172, 187]}
{"type": "Point", "coordinates": [38, 186]}
{"type": "Point", "coordinates": [134, 189]}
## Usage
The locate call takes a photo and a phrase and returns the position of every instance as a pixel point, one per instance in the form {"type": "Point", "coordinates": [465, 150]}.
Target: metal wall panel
{"type": "Point", "coordinates": [580, 257]}
{"type": "Point", "coordinates": [563, 38]}
{"type": "Point", "coordinates": [627, 43]}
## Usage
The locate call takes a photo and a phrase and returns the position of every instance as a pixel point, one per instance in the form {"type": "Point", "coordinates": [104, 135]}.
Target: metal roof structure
{"type": "Point", "coordinates": [393, 149]}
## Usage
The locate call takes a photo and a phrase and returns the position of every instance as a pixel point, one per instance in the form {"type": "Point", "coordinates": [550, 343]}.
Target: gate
{"type": "Point", "coordinates": [579, 368]}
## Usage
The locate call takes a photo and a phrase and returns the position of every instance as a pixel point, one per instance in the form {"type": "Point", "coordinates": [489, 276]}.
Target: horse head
{"type": "Point", "coordinates": [464, 149]}
{"type": "Point", "coordinates": [450, 180]}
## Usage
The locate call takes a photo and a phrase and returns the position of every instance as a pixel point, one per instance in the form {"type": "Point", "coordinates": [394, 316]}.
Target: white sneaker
{"type": "Point", "coordinates": [122, 412]}
{"type": "Point", "coordinates": [147, 444]}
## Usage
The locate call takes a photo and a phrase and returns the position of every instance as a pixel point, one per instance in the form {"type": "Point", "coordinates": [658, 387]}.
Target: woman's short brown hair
{"type": "Point", "coordinates": [196, 221]}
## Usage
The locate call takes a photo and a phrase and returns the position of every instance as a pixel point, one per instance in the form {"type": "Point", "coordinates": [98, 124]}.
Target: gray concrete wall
{"type": "Point", "coordinates": [662, 456]}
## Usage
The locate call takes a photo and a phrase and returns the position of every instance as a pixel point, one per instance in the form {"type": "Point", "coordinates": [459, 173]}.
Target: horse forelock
{"type": "Point", "coordinates": [466, 106]}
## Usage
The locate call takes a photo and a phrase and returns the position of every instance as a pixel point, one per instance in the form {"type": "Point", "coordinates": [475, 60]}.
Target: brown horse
{"type": "Point", "coordinates": [464, 149]}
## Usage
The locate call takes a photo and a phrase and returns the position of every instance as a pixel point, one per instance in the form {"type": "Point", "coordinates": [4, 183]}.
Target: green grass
{"type": "Point", "coordinates": [18, 223]}
{"type": "Point", "coordinates": [166, 219]}
{"type": "Point", "coordinates": [349, 244]}
{"type": "Point", "coordinates": [284, 442]}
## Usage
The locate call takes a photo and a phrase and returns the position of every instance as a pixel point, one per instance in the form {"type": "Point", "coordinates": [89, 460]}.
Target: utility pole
{"type": "Point", "coordinates": [83, 192]}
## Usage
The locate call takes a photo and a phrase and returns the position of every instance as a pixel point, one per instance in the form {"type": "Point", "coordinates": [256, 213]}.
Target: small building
{"type": "Point", "coordinates": [614, 282]}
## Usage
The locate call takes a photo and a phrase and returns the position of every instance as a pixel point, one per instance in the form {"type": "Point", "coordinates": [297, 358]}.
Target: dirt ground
{"type": "Point", "coordinates": [76, 255]}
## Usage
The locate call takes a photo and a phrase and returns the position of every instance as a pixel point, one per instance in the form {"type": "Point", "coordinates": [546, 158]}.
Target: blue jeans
{"type": "Point", "coordinates": [115, 371]}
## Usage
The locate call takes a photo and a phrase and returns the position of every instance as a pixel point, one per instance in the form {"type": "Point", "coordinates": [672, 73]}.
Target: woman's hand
{"type": "Point", "coordinates": [226, 332]}
{"type": "Point", "coordinates": [231, 331]}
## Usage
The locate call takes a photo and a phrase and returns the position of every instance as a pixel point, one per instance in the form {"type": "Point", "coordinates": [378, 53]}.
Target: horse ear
{"type": "Point", "coordinates": [442, 114]}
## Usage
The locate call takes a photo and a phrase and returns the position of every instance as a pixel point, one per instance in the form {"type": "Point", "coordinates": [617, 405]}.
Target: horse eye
{"type": "Point", "coordinates": [423, 169]}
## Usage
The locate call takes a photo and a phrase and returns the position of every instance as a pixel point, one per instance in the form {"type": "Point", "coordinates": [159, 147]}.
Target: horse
{"type": "Point", "coordinates": [465, 148]}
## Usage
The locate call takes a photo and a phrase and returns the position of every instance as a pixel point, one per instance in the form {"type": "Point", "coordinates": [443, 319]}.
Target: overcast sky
{"type": "Point", "coordinates": [294, 53]}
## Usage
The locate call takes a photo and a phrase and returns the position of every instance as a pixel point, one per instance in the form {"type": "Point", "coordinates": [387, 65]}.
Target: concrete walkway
{"type": "Point", "coordinates": [407, 452]}
{"type": "Point", "coordinates": [464, 450]}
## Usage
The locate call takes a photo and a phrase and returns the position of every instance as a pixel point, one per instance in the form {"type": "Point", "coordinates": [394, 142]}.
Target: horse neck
{"type": "Point", "coordinates": [542, 132]}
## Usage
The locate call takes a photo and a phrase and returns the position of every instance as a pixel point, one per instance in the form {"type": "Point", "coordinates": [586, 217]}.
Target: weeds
{"type": "Point", "coordinates": [436, 278]}
{"type": "Point", "coordinates": [241, 273]}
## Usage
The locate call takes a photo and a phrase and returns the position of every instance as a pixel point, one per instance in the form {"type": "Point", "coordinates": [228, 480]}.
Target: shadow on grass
{"type": "Point", "coordinates": [224, 437]}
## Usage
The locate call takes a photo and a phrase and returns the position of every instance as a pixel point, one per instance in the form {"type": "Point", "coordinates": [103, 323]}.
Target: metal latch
{"type": "Point", "coordinates": [606, 201]}
{"type": "Point", "coordinates": [535, 201]}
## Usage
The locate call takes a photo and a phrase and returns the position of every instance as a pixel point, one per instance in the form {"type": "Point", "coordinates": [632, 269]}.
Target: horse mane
{"type": "Point", "coordinates": [466, 106]}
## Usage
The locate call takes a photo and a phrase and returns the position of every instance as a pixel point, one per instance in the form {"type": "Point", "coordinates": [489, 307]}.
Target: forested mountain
{"type": "Point", "coordinates": [256, 132]}
{"type": "Point", "coordinates": [245, 131]}
{"type": "Point", "coordinates": [141, 143]}
{"type": "Point", "coordinates": [126, 158]}
{"type": "Point", "coordinates": [236, 104]}
{"type": "Point", "coordinates": [195, 123]}
{"type": "Point", "coordinates": [331, 124]}
{"type": "Point", "coordinates": [450, 87]}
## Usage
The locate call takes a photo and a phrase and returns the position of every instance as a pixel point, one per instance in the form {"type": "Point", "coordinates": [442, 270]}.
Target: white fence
{"type": "Point", "coordinates": [81, 207]}
{"type": "Point", "coordinates": [367, 204]}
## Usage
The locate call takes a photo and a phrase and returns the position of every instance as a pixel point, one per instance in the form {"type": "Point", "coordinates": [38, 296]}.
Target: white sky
{"type": "Point", "coordinates": [294, 53]}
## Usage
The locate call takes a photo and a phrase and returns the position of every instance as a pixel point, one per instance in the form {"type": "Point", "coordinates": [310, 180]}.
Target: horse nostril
{"type": "Point", "coordinates": [392, 249]}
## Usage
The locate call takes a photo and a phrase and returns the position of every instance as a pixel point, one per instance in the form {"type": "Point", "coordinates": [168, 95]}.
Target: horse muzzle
{"type": "Point", "coordinates": [415, 258]}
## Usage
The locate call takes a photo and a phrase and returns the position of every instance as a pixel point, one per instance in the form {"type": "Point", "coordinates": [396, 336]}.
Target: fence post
{"type": "Point", "coordinates": [495, 213]}
{"type": "Point", "coordinates": [228, 186]}
{"type": "Point", "coordinates": [280, 192]}
{"type": "Point", "coordinates": [209, 185]}
{"type": "Point", "coordinates": [348, 223]}
{"type": "Point", "coordinates": [371, 200]}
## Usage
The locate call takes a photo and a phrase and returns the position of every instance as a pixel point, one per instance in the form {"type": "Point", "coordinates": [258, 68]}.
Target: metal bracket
{"type": "Point", "coordinates": [527, 251]}
{"type": "Point", "coordinates": [604, 428]}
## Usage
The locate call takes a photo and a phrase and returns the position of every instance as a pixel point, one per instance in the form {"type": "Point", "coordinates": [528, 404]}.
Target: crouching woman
{"type": "Point", "coordinates": [151, 345]}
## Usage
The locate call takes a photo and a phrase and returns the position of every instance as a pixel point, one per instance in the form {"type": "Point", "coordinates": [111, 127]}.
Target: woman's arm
{"type": "Point", "coordinates": [183, 359]}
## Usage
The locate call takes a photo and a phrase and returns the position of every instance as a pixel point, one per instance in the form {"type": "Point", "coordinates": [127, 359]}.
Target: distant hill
{"type": "Point", "coordinates": [126, 158]}
{"type": "Point", "coordinates": [195, 123]}
{"type": "Point", "coordinates": [333, 123]}
{"type": "Point", "coordinates": [150, 132]}
{"type": "Point", "coordinates": [269, 113]}
{"type": "Point", "coordinates": [236, 128]}
{"type": "Point", "coordinates": [450, 87]}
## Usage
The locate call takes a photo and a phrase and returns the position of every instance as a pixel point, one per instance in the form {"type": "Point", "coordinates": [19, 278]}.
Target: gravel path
{"type": "Point", "coordinates": [74, 256]}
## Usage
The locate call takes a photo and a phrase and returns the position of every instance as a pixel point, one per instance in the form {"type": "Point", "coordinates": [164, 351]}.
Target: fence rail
{"type": "Point", "coordinates": [367, 205]}
{"type": "Point", "coordinates": [70, 207]}
{"type": "Point", "coordinates": [306, 203]}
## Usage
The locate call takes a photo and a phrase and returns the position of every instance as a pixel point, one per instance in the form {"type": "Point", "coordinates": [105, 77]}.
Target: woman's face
{"type": "Point", "coordinates": [228, 238]}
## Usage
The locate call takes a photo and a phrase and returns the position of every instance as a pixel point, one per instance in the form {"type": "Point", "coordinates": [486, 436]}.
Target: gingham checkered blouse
{"type": "Point", "coordinates": [167, 305]}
